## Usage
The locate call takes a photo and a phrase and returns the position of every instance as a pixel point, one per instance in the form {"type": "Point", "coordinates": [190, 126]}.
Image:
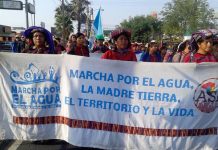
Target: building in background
{"type": "Point", "coordinates": [7, 37]}
{"type": "Point", "coordinates": [154, 14]}
{"type": "Point", "coordinates": [18, 29]}
{"type": "Point", "coordinates": [6, 33]}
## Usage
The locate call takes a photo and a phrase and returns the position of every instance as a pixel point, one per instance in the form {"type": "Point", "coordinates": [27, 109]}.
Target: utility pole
{"type": "Point", "coordinates": [90, 22]}
{"type": "Point", "coordinates": [63, 20]}
{"type": "Point", "coordinates": [26, 10]}
{"type": "Point", "coordinates": [34, 16]}
{"type": "Point", "coordinates": [87, 21]}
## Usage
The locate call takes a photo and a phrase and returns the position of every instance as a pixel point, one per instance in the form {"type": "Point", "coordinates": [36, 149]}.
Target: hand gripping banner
{"type": "Point", "coordinates": [108, 104]}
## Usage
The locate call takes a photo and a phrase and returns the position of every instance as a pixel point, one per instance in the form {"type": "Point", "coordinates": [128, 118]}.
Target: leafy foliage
{"type": "Point", "coordinates": [78, 11]}
{"type": "Point", "coordinates": [143, 28]}
{"type": "Point", "coordinates": [63, 22]}
{"type": "Point", "coordinates": [67, 13]}
{"type": "Point", "coordinates": [186, 16]}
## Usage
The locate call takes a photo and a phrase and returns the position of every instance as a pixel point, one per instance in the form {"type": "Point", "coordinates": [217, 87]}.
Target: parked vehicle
{"type": "Point", "coordinates": [6, 46]}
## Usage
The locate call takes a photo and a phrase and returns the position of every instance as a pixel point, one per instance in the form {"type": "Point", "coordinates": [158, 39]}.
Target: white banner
{"type": "Point", "coordinates": [108, 104]}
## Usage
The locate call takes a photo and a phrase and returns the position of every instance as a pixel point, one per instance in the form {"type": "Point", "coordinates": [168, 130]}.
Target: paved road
{"type": "Point", "coordinates": [39, 145]}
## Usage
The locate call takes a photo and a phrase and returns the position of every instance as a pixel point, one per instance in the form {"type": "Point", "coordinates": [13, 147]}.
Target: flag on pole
{"type": "Point", "coordinates": [97, 24]}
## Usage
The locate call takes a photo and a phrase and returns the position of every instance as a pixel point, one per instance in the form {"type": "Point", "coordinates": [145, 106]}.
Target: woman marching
{"type": "Point", "coordinates": [152, 55]}
{"type": "Point", "coordinates": [40, 39]}
{"type": "Point", "coordinates": [79, 48]}
{"type": "Point", "coordinates": [201, 46]}
{"type": "Point", "coordinates": [122, 47]}
{"type": "Point", "coordinates": [182, 50]}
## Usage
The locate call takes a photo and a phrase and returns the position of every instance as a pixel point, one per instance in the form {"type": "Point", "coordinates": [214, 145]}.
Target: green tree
{"type": "Point", "coordinates": [78, 12]}
{"type": "Point", "coordinates": [186, 16]}
{"type": "Point", "coordinates": [143, 28]}
{"type": "Point", "coordinates": [63, 22]}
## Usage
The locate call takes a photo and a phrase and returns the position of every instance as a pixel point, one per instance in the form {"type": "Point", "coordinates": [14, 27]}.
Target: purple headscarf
{"type": "Point", "coordinates": [199, 35]}
{"type": "Point", "coordinates": [48, 36]}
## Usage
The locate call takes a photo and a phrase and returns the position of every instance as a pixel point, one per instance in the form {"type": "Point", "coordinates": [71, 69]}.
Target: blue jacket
{"type": "Point", "coordinates": [146, 57]}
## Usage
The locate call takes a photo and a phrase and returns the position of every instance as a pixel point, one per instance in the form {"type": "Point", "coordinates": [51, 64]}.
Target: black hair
{"type": "Point", "coordinates": [151, 44]}
{"type": "Point", "coordinates": [182, 46]}
{"type": "Point", "coordinates": [79, 34]}
{"type": "Point", "coordinates": [197, 38]}
{"type": "Point", "coordinates": [115, 39]}
{"type": "Point", "coordinates": [37, 30]}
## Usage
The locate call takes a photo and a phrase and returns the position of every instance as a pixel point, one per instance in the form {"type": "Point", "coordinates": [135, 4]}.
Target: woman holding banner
{"type": "Point", "coordinates": [122, 49]}
{"type": "Point", "coordinates": [201, 46]}
{"type": "Point", "coordinates": [41, 39]}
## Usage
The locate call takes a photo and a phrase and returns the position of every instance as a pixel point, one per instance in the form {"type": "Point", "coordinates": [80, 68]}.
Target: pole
{"type": "Point", "coordinates": [34, 16]}
{"type": "Point", "coordinates": [87, 21]}
{"type": "Point", "coordinates": [63, 21]}
{"type": "Point", "coordinates": [26, 9]}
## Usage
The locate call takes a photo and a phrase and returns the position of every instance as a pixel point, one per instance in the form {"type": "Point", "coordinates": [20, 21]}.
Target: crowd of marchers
{"type": "Point", "coordinates": [202, 46]}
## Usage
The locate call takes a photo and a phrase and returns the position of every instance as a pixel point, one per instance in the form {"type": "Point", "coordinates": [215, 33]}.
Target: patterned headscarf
{"type": "Point", "coordinates": [120, 31]}
{"type": "Point", "coordinates": [199, 35]}
{"type": "Point", "coordinates": [28, 33]}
